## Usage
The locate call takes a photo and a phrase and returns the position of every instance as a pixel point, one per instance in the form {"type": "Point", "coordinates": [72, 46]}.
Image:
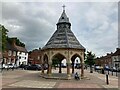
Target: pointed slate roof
{"type": "Point", "coordinates": [63, 18]}
{"type": "Point", "coordinates": [63, 37]}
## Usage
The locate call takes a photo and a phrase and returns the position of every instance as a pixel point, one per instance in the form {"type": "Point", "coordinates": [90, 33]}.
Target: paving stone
{"type": "Point", "coordinates": [77, 85]}
{"type": "Point", "coordinates": [31, 79]}
{"type": "Point", "coordinates": [33, 84]}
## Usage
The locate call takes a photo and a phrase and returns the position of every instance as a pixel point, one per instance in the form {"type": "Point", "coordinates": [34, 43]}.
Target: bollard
{"type": "Point", "coordinates": [107, 81]}
{"type": "Point", "coordinates": [112, 72]}
{"type": "Point", "coordinates": [108, 72]}
{"type": "Point", "coordinates": [116, 73]}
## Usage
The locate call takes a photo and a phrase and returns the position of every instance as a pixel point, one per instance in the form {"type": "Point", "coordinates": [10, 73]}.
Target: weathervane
{"type": "Point", "coordinates": [63, 7]}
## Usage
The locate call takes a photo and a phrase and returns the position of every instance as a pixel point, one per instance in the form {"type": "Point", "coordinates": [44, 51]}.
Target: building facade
{"type": "Point", "coordinates": [15, 54]}
{"type": "Point", "coordinates": [116, 59]}
{"type": "Point", "coordinates": [35, 56]}
{"type": "Point", "coordinates": [10, 54]}
{"type": "Point", "coordinates": [104, 60]}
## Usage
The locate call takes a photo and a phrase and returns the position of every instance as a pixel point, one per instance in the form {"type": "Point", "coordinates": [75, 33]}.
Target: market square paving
{"type": "Point", "coordinates": [32, 79]}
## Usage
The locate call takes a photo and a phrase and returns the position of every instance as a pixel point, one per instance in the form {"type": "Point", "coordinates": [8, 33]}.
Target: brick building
{"type": "Point", "coordinates": [10, 54]}
{"type": "Point", "coordinates": [34, 56]}
{"type": "Point", "coordinates": [104, 60]}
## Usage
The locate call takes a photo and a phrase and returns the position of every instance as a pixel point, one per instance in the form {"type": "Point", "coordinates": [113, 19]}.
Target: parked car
{"type": "Point", "coordinates": [22, 66]}
{"type": "Point", "coordinates": [114, 69]}
{"type": "Point", "coordinates": [98, 68]}
{"type": "Point", "coordinates": [15, 66]}
{"type": "Point", "coordinates": [25, 67]}
{"type": "Point", "coordinates": [33, 67]}
{"type": "Point", "coordinates": [5, 66]}
{"type": "Point", "coordinates": [10, 66]}
{"type": "Point", "coordinates": [107, 68]}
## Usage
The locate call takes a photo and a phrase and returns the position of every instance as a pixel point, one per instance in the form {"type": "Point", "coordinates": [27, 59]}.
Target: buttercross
{"type": "Point", "coordinates": [63, 45]}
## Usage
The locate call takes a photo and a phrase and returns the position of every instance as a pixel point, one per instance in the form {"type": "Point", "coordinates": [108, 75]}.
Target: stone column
{"type": "Point", "coordinates": [68, 71]}
{"type": "Point", "coordinates": [60, 71]}
{"type": "Point", "coordinates": [49, 68]}
{"type": "Point", "coordinates": [82, 68]}
{"type": "Point", "coordinates": [68, 66]}
{"type": "Point", "coordinates": [42, 63]}
{"type": "Point", "coordinates": [42, 68]}
{"type": "Point", "coordinates": [72, 67]}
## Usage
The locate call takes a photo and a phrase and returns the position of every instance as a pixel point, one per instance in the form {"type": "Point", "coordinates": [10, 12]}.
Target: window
{"type": "Point", "coordinates": [62, 17]}
{"type": "Point", "coordinates": [20, 57]}
{"type": "Point", "coordinates": [9, 60]}
{"type": "Point", "coordinates": [38, 57]}
{"type": "Point", "coordinates": [14, 53]}
{"type": "Point", "coordinates": [25, 57]}
{"type": "Point", "coordinates": [20, 52]}
{"type": "Point", "coordinates": [9, 53]}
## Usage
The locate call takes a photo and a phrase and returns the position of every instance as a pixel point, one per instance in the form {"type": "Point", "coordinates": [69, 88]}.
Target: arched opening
{"type": "Point", "coordinates": [45, 62]}
{"type": "Point", "coordinates": [57, 61]}
{"type": "Point", "coordinates": [76, 62]}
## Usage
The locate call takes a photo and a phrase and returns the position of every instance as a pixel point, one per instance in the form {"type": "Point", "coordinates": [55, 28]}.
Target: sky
{"type": "Point", "coordinates": [95, 24]}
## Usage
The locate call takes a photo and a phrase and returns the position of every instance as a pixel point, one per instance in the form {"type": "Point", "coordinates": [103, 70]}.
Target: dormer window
{"type": "Point", "coordinates": [62, 17]}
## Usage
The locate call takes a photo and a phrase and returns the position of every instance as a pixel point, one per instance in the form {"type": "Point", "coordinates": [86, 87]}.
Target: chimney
{"type": "Point", "coordinates": [14, 41]}
{"type": "Point", "coordinates": [117, 49]}
{"type": "Point", "coordinates": [39, 48]}
{"type": "Point", "coordinates": [108, 54]}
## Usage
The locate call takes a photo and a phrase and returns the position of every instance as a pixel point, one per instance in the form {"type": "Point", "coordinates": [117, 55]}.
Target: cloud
{"type": "Point", "coordinates": [98, 28]}
{"type": "Point", "coordinates": [94, 24]}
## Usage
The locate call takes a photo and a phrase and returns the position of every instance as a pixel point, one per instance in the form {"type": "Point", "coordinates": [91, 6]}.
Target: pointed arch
{"type": "Point", "coordinates": [76, 63]}
{"type": "Point", "coordinates": [59, 56]}
{"type": "Point", "coordinates": [75, 56]}
{"type": "Point", "coordinates": [45, 58]}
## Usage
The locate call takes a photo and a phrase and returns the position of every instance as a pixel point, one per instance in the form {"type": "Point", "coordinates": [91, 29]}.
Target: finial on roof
{"type": "Point", "coordinates": [63, 7]}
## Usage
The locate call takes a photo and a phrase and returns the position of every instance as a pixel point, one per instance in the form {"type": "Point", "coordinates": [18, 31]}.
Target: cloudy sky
{"type": "Point", "coordinates": [95, 24]}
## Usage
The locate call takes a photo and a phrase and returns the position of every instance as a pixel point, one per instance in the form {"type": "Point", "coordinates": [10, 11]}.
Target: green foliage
{"type": "Point", "coordinates": [18, 42]}
{"type": "Point", "coordinates": [3, 37]}
{"type": "Point", "coordinates": [55, 61]}
{"type": "Point", "coordinates": [90, 58]}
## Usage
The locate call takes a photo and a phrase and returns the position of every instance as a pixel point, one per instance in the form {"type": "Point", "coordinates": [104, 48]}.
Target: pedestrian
{"type": "Point", "coordinates": [76, 76]}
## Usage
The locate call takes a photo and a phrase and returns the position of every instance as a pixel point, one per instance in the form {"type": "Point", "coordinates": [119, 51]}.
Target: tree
{"type": "Point", "coordinates": [55, 62]}
{"type": "Point", "coordinates": [3, 37]}
{"type": "Point", "coordinates": [90, 60]}
{"type": "Point", "coordinates": [18, 42]}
